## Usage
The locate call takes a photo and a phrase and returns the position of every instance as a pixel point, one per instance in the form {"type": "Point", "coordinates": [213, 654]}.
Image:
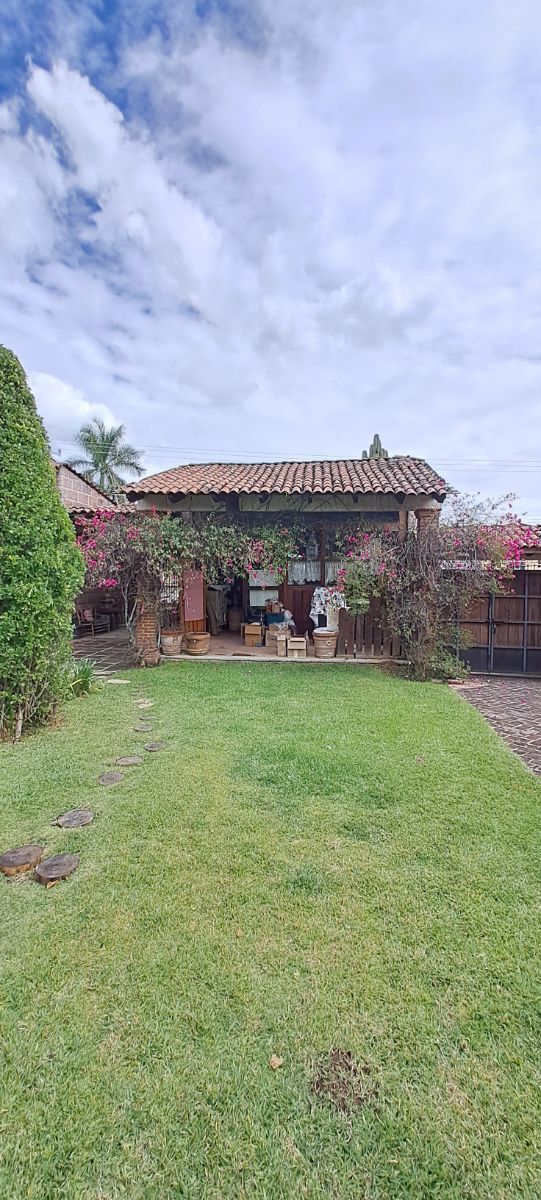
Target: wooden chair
{"type": "Point", "coordinates": [88, 620]}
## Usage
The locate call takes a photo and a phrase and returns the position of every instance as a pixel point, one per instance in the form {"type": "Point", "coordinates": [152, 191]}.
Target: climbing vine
{"type": "Point", "coordinates": [428, 581]}
{"type": "Point", "coordinates": [135, 551]}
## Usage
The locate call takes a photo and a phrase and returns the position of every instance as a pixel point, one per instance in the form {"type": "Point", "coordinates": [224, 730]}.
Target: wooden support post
{"type": "Point", "coordinates": [322, 555]}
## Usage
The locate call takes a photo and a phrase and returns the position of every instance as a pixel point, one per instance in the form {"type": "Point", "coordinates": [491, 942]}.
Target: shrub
{"type": "Point", "coordinates": [83, 677]}
{"type": "Point", "coordinates": [444, 664]}
{"type": "Point", "coordinates": [41, 569]}
{"type": "Point", "coordinates": [358, 586]}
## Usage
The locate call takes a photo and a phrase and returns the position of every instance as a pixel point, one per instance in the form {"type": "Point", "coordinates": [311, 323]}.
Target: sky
{"type": "Point", "coordinates": [267, 229]}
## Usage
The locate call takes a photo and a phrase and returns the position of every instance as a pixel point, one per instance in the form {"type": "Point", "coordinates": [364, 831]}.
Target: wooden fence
{"type": "Point", "coordinates": [366, 636]}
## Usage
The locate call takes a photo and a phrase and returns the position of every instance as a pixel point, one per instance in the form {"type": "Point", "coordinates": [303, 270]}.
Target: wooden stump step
{"type": "Point", "coordinates": [110, 777]}
{"type": "Point", "coordinates": [22, 858]}
{"type": "Point", "coordinates": [52, 870]}
{"type": "Point", "coordinates": [75, 818]}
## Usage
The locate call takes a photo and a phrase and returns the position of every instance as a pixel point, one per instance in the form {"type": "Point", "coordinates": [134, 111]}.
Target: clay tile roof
{"type": "Point", "coordinates": [395, 476]}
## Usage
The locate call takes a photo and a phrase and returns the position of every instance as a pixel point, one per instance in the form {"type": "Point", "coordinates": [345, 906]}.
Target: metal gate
{"type": "Point", "coordinates": [505, 631]}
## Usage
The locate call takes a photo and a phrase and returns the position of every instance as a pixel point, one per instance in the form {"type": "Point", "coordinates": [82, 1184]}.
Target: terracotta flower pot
{"type": "Point", "coordinates": [171, 642]}
{"type": "Point", "coordinates": [197, 643]}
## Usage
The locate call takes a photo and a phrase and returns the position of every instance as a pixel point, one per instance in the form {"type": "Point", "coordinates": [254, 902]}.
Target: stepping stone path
{"type": "Point", "coordinates": [75, 818]}
{"type": "Point", "coordinates": [52, 870]}
{"type": "Point", "coordinates": [118, 681]}
{"type": "Point", "coordinates": [143, 727]}
{"type": "Point", "coordinates": [22, 858]}
{"type": "Point", "coordinates": [130, 760]}
{"type": "Point", "coordinates": [151, 746]}
{"type": "Point", "coordinates": [110, 777]}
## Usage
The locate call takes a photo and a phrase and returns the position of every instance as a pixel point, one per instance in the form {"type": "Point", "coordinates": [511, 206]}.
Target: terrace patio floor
{"type": "Point", "coordinates": [112, 652]}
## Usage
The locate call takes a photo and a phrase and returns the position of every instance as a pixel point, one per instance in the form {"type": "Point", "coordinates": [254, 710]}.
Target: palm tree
{"type": "Point", "coordinates": [107, 454]}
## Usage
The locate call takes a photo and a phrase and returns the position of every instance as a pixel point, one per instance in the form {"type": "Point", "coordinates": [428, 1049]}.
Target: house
{"type": "Point", "coordinates": [322, 496]}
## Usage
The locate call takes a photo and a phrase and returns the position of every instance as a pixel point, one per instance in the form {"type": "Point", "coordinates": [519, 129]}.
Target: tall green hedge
{"type": "Point", "coordinates": [41, 568]}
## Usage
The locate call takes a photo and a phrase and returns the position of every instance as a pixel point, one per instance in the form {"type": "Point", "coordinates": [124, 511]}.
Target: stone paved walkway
{"type": "Point", "coordinates": [513, 708]}
{"type": "Point", "coordinates": [111, 652]}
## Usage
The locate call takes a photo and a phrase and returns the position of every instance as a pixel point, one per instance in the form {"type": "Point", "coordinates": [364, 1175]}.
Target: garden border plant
{"type": "Point", "coordinates": [41, 569]}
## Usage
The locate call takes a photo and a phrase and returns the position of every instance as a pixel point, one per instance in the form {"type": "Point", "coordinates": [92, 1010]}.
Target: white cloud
{"type": "Point", "coordinates": [64, 408]}
{"type": "Point", "coordinates": [289, 239]}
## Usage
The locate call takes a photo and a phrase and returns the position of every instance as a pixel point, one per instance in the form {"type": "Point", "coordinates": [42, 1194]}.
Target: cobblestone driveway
{"type": "Point", "coordinates": [513, 708]}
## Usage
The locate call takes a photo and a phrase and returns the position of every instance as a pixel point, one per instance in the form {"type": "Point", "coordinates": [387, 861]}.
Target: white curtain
{"type": "Point", "coordinates": [303, 570]}
{"type": "Point", "coordinates": [332, 567]}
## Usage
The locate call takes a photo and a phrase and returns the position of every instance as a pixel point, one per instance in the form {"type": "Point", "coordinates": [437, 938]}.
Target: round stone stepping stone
{"type": "Point", "coordinates": [155, 746]}
{"type": "Point", "coordinates": [22, 858]}
{"type": "Point", "coordinates": [52, 870]}
{"type": "Point", "coordinates": [110, 777]}
{"type": "Point", "coordinates": [145, 704]}
{"type": "Point", "coordinates": [129, 760]}
{"type": "Point", "coordinates": [75, 818]}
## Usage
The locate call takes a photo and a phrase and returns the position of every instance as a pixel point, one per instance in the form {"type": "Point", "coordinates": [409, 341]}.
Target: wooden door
{"type": "Point", "coordinates": [533, 630]}
{"type": "Point", "coordinates": [297, 597]}
{"type": "Point", "coordinates": [505, 631]}
{"type": "Point", "coordinates": [476, 625]}
{"type": "Point", "coordinates": [509, 617]}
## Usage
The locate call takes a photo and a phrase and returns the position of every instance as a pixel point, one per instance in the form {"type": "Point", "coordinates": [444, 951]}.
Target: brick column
{"type": "Point", "coordinates": [146, 638]}
{"type": "Point", "coordinates": [427, 517]}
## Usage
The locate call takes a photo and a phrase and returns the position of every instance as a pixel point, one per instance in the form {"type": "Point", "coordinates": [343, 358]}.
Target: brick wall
{"type": "Point", "coordinates": [427, 517]}
{"type": "Point", "coordinates": [146, 638]}
{"type": "Point", "coordinates": [75, 493]}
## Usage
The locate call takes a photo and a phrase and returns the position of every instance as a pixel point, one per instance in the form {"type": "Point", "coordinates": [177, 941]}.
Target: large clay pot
{"type": "Point", "coordinates": [325, 643]}
{"type": "Point", "coordinates": [171, 642]}
{"type": "Point", "coordinates": [197, 643]}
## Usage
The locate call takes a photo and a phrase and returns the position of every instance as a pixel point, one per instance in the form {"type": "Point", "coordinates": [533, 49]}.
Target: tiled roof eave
{"type": "Point", "coordinates": [399, 476]}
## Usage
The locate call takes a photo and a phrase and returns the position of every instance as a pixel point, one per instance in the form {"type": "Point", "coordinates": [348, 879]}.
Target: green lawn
{"type": "Point", "coordinates": [319, 859]}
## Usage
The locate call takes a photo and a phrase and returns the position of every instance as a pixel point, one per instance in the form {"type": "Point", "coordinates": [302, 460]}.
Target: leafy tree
{"type": "Point", "coordinates": [107, 454]}
{"type": "Point", "coordinates": [41, 569]}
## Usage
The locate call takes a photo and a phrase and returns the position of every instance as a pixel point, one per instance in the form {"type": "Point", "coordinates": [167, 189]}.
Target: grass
{"type": "Point", "coordinates": [285, 878]}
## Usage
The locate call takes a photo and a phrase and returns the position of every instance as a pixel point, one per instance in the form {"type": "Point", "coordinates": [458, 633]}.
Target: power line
{"type": "Point", "coordinates": [448, 462]}
{"type": "Point", "coordinates": [527, 467]}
